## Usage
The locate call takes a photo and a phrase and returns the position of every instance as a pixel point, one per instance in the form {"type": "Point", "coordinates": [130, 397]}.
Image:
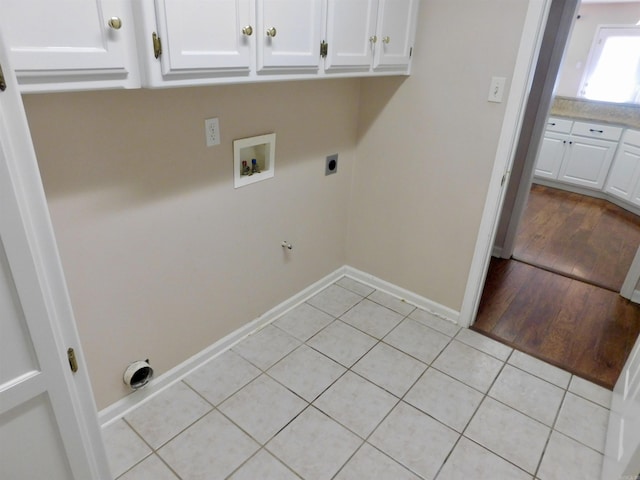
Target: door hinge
{"type": "Point", "coordinates": [410, 52]}
{"type": "Point", "coordinates": [73, 362]}
{"type": "Point", "coordinates": [324, 49]}
{"type": "Point", "coordinates": [3, 84]}
{"type": "Point", "coordinates": [504, 177]}
{"type": "Point", "coordinates": [157, 45]}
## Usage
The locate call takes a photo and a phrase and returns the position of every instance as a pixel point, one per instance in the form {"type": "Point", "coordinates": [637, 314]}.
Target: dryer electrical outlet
{"type": "Point", "coordinates": [212, 131]}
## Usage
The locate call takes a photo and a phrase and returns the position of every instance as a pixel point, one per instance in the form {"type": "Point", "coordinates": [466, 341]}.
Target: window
{"type": "Point", "coordinates": [613, 69]}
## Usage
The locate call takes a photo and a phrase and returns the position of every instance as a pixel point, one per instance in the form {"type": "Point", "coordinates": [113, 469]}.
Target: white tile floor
{"type": "Point", "coordinates": [356, 384]}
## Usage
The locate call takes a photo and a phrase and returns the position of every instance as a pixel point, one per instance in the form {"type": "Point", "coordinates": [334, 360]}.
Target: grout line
{"type": "Point", "coordinates": [399, 399]}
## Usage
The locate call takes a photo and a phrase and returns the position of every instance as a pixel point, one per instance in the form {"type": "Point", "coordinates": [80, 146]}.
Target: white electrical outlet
{"type": "Point", "coordinates": [212, 131]}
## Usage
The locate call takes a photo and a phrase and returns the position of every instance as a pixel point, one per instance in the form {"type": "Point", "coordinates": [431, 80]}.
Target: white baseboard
{"type": "Point", "coordinates": [496, 251]}
{"type": "Point", "coordinates": [430, 306]}
{"type": "Point", "coordinates": [635, 297]}
{"type": "Point", "coordinates": [120, 408]}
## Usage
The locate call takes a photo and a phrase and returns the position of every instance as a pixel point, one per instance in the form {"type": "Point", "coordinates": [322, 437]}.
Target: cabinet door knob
{"type": "Point", "coordinates": [115, 23]}
{"type": "Point", "coordinates": [271, 32]}
{"type": "Point", "coordinates": [386, 40]}
{"type": "Point", "coordinates": [373, 39]}
{"type": "Point", "coordinates": [248, 30]}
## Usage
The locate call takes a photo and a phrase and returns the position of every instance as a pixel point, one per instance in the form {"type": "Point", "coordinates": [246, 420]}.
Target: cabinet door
{"type": "Point", "coordinates": [550, 155]}
{"type": "Point", "coordinates": [396, 19]}
{"type": "Point", "coordinates": [205, 36]}
{"type": "Point", "coordinates": [57, 45]}
{"type": "Point", "coordinates": [586, 162]}
{"type": "Point", "coordinates": [288, 35]}
{"type": "Point", "coordinates": [624, 174]}
{"type": "Point", "coordinates": [351, 28]}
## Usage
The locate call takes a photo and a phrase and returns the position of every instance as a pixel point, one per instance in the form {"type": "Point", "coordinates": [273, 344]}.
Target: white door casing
{"type": "Point", "coordinates": [48, 420]}
{"type": "Point", "coordinates": [622, 448]}
{"type": "Point", "coordinates": [530, 41]}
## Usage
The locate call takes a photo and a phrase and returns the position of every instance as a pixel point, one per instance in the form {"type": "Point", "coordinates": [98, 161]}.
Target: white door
{"type": "Point", "coordinates": [205, 36]}
{"type": "Point", "coordinates": [48, 422]}
{"type": "Point", "coordinates": [394, 32]}
{"type": "Point", "coordinates": [587, 162]}
{"type": "Point", "coordinates": [622, 449]}
{"type": "Point", "coordinates": [550, 156]}
{"type": "Point", "coordinates": [288, 35]}
{"type": "Point", "coordinates": [351, 29]}
{"type": "Point", "coordinates": [70, 40]}
{"type": "Point", "coordinates": [624, 174]}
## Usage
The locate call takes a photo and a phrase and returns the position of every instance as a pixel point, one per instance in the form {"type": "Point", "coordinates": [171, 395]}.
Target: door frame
{"type": "Point", "coordinates": [79, 423]}
{"type": "Point", "coordinates": [548, 24]}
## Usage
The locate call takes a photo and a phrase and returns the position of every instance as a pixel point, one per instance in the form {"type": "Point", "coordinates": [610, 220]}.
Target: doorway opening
{"type": "Point", "coordinates": [552, 285]}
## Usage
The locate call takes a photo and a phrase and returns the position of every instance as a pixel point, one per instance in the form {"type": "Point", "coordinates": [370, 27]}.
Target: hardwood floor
{"type": "Point", "coordinates": [584, 329]}
{"type": "Point", "coordinates": [578, 236]}
{"type": "Point", "coordinates": [557, 298]}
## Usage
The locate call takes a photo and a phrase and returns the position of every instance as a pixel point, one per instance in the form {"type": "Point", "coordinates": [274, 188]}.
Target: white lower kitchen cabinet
{"type": "Point", "coordinates": [624, 176]}
{"type": "Point", "coordinates": [551, 153]}
{"type": "Point", "coordinates": [586, 162]}
{"type": "Point", "coordinates": [71, 45]}
{"type": "Point", "coordinates": [577, 153]}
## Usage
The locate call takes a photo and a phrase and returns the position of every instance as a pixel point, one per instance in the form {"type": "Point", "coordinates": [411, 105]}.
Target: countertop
{"type": "Point", "coordinates": [603, 112]}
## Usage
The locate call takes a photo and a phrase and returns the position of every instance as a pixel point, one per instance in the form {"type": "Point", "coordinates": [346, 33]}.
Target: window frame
{"type": "Point", "coordinates": [602, 33]}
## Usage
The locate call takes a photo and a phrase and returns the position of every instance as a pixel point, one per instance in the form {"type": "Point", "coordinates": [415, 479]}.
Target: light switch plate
{"type": "Point", "coordinates": [212, 131]}
{"type": "Point", "coordinates": [496, 90]}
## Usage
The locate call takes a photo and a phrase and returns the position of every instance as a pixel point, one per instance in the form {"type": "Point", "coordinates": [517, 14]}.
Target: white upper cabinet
{"type": "Point", "coordinates": [60, 45]}
{"type": "Point", "coordinates": [351, 34]}
{"type": "Point", "coordinates": [288, 35]}
{"type": "Point", "coordinates": [365, 35]}
{"type": "Point", "coordinates": [205, 36]}
{"type": "Point", "coordinates": [71, 45]}
{"type": "Point", "coordinates": [395, 31]}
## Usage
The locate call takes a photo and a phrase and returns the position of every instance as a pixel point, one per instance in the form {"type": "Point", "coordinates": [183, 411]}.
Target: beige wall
{"type": "Point", "coordinates": [584, 30]}
{"type": "Point", "coordinates": [162, 256]}
{"type": "Point", "coordinates": [427, 146]}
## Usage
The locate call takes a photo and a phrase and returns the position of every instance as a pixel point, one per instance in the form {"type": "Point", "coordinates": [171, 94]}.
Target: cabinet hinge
{"type": "Point", "coordinates": [324, 49]}
{"type": "Point", "coordinates": [157, 45]}
{"type": "Point", "coordinates": [3, 84]}
{"type": "Point", "coordinates": [73, 362]}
